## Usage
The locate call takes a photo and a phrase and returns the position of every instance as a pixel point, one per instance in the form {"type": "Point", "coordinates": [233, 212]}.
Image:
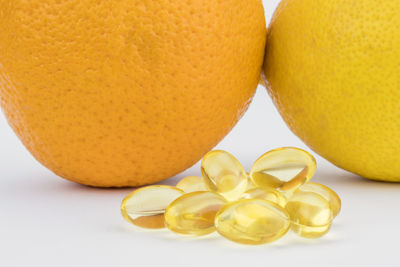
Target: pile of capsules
{"type": "Point", "coordinates": [248, 208]}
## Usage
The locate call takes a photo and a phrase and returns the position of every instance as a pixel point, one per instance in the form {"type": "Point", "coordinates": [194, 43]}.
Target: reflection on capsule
{"type": "Point", "coordinates": [191, 184]}
{"type": "Point", "coordinates": [145, 207]}
{"type": "Point", "coordinates": [266, 193]}
{"type": "Point", "coordinates": [194, 213]}
{"type": "Point", "coordinates": [327, 193]}
{"type": "Point", "coordinates": [252, 221]}
{"type": "Point", "coordinates": [310, 213]}
{"type": "Point", "coordinates": [224, 174]}
{"type": "Point", "coordinates": [284, 168]}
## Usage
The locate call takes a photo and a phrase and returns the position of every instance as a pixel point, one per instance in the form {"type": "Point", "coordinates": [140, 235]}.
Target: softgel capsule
{"type": "Point", "coordinates": [252, 221]}
{"type": "Point", "coordinates": [194, 213]}
{"type": "Point", "coordinates": [224, 174]}
{"type": "Point", "coordinates": [248, 208]}
{"type": "Point", "coordinates": [284, 168]}
{"type": "Point", "coordinates": [145, 207]}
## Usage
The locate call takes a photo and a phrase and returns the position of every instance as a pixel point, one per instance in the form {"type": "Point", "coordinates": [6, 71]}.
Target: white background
{"type": "Point", "coordinates": [47, 221]}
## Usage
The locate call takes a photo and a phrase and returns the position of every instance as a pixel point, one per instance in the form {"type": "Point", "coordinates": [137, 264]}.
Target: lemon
{"type": "Point", "coordinates": [333, 69]}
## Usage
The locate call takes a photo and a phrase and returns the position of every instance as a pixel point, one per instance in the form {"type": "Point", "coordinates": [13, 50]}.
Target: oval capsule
{"type": "Point", "coordinates": [265, 193]}
{"type": "Point", "coordinates": [330, 195]}
{"type": "Point", "coordinates": [191, 184]}
{"type": "Point", "coordinates": [224, 174]}
{"type": "Point", "coordinates": [284, 168]}
{"type": "Point", "coordinates": [310, 213]}
{"type": "Point", "coordinates": [145, 207]}
{"type": "Point", "coordinates": [252, 221]}
{"type": "Point", "coordinates": [194, 213]}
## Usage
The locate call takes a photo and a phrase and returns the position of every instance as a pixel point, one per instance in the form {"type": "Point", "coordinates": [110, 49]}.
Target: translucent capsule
{"type": "Point", "coordinates": [284, 168]}
{"type": "Point", "coordinates": [194, 213]}
{"type": "Point", "coordinates": [145, 207]}
{"type": "Point", "coordinates": [252, 221]}
{"type": "Point", "coordinates": [250, 184]}
{"type": "Point", "coordinates": [327, 193]}
{"type": "Point", "coordinates": [266, 193]}
{"type": "Point", "coordinates": [224, 174]}
{"type": "Point", "coordinates": [191, 184]}
{"type": "Point", "coordinates": [310, 213]}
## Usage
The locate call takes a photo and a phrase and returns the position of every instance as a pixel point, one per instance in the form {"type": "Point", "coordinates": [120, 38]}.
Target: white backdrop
{"type": "Point", "coordinates": [47, 221]}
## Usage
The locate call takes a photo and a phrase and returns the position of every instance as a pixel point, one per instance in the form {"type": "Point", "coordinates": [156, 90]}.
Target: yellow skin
{"type": "Point", "coordinates": [128, 92]}
{"type": "Point", "coordinates": [333, 70]}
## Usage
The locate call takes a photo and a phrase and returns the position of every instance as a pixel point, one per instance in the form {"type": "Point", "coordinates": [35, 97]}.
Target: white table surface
{"type": "Point", "coordinates": [47, 221]}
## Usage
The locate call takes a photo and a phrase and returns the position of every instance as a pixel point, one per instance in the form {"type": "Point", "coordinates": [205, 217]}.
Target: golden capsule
{"type": "Point", "coordinates": [284, 168]}
{"type": "Point", "coordinates": [191, 184]}
{"type": "Point", "coordinates": [310, 213]}
{"type": "Point", "coordinates": [224, 174]}
{"type": "Point", "coordinates": [266, 193]}
{"type": "Point", "coordinates": [252, 221]}
{"type": "Point", "coordinates": [194, 213]}
{"type": "Point", "coordinates": [145, 207]}
{"type": "Point", "coordinates": [250, 184]}
{"type": "Point", "coordinates": [327, 193]}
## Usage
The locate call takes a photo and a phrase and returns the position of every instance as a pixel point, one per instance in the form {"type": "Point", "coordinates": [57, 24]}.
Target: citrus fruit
{"type": "Point", "coordinates": [333, 71]}
{"type": "Point", "coordinates": [126, 93]}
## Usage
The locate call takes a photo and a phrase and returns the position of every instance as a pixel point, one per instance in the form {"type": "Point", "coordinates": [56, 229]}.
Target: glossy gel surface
{"type": "Point", "coordinates": [191, 184]}
{"type": "Point", "coordinates": [284, 168]}
{"type": "Point", "coordinates": [330, 195]}
{"type": "Point", "coordinates": [194, 213]}
{"type": "Point", "coordinates": [265, 193]}
{"type": "Point", "coordinates": [252, 221]}
{"type": "Point", "coordinates": [224, 174]}
{"type": "Point", "coordinates": [145, 207]}
{"type": "Point", "coordinates": [250, 184]}
{"type": "Point", "coordinates": [310, 213]}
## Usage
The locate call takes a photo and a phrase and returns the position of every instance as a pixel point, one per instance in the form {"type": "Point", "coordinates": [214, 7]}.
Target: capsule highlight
{"type": "Point", "coordinates": [252, 221]}
{"type": "Point", "coordinates": [194, 213]}
{"type": "Point", "coordinates": [284, 169]}
{"type": "Point", "coordinates": [145, 207]}
{"type": "Point", "coordinates": [224, 174]}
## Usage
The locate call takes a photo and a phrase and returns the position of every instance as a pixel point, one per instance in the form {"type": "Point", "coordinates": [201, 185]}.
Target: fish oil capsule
{"type": "Point", "coordinates": [266, 193]}
{"type": "Point", "coordinates": [145, 207]}
{"type": "Point", "coordinates": [284, 168]}
{"type": "Point", "coordinates": [310, 213]}
{"type": "Point", "coordinates": [194, 213]}
{"type": "Point", "coordinates": [191, 184]}
{"type": "Point", "coordinates": [250, 184]}
{"type": "Point", "coordinates": [224, 174]}
{"type": "Point", "coordinates": [327, 193]}
{"type": "Point", "coordinates": [252, 221]}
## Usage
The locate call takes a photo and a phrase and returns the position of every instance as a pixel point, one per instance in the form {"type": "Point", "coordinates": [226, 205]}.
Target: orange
{"type": "Point", "coordinates": [128, 92]}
